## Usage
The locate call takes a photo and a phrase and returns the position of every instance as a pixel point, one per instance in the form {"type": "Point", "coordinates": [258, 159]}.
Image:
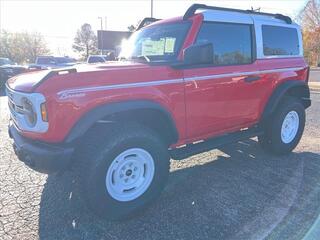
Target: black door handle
{"type": "Point", "coordinates": [252, 78]}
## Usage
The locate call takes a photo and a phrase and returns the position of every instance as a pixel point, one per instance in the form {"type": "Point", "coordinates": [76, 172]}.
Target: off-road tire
{"type": "Point", "coordinates": [98, 151]}
{"type": "Point", "coordinates": [271, 141]}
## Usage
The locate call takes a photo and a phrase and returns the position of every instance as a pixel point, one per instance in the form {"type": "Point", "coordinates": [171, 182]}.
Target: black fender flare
{"type": "Point", "coordinates": [283, 89]}
{"type": "Point", "coordinates": [102, 111]}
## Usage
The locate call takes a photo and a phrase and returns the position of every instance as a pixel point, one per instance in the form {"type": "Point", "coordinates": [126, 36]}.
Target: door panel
{"type": "Point", "coordinates": [219, 99]}
{"type": "Point", "coordinates": [226, 96]}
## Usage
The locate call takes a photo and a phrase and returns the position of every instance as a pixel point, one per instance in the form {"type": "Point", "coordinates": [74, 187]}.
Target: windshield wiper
{"type": "Point", "coordinates": [143, 57]}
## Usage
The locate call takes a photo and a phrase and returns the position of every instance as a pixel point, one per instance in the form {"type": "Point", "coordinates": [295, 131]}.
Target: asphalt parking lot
{"type": "Point", "coordinates": [235, 192]}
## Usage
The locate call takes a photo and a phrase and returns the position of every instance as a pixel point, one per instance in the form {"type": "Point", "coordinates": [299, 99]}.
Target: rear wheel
{"type": "Point", "coordinates": [123, 170]}
{"type": "Point", "coordinates": [284, 129]}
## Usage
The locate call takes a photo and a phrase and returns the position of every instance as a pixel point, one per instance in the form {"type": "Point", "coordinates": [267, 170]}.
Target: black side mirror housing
{"type": "Point", "coordinates": [198, 54]}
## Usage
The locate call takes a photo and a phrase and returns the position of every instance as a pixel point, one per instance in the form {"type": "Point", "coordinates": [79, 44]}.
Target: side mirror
{"type": "Point", "coordinates": [198, 54]}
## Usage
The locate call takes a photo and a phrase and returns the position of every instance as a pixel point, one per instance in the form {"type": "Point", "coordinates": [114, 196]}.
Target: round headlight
{"type": "Point", "coordinates": [29, 113]}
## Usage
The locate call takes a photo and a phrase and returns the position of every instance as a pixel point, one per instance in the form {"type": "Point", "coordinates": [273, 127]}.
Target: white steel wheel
{"type": "Point", "coordinates": [290, 127]}
{"type": "Point", "coordinates": [130, 174]}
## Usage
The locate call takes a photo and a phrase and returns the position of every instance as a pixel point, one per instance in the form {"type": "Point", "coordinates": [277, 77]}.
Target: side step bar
{"type": "Point", "coordinates": [207, 145]}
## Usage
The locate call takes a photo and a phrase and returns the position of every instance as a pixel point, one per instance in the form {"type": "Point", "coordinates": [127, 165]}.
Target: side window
{"type": "Point", "coordinates": [232, 43]}
{"type": "Point", "coordinates": [280, 41]}
{"type": "Point", "coordinates": [94, 59]}
{"type": "Point", "coordinates": [45, 60]}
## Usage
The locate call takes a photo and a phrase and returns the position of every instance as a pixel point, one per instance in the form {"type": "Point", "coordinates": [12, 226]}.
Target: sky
{"type": "Point", "coordinates": [59, 20]}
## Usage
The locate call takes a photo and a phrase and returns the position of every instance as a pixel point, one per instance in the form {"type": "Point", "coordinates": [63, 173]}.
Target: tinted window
{"type": "Point", "coordinates": [62, 60]}
{"type": "Point", "coordinates": [280, 41]}
{"type": "Point", "coordinates": [232, 43]}
{"type": "Point", "coordinates": [96, 59]}
{"type": "Point", "coordinates": [44, 60]}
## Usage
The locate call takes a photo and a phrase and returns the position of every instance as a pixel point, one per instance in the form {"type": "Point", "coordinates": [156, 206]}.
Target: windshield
{"type": "Point", "coordinates": [61, 60]}
{"type": "Point", "coordinates": [4, 61]}
{"type": "Point", "coordinates": [156, 43]}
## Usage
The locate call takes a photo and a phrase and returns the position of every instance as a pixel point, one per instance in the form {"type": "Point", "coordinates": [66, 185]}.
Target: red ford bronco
{"type": "Point", "coordinates": [183, 86]}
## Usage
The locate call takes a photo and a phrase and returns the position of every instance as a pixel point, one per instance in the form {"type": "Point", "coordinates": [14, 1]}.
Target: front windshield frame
{"type": "Point", "coordinates": [152, 58]}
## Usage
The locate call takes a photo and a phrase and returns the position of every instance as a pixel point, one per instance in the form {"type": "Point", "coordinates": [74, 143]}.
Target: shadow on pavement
{"type": "Point", "coordinates": [239, 192]}
{"type": "Point", "coordinates": [2, 92]}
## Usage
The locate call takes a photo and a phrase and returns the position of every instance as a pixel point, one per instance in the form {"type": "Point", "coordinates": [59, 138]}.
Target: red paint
{"type": "Point", "coordinates": [192, 34]}
{"type": "Point", "coordinates": [200, 109]}
{"type": "Point", "coordinates": [228, 104]}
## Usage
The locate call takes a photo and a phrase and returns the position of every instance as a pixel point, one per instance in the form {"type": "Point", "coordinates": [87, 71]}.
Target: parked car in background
{"type": "Point", "coordinates": [9, 69]}
{"type": "Point", "coordinates": [97, 59]}
{"type": "Point", "coordinates": [101, 58]}
{"type": "Point", "coordinates": [49, 62]}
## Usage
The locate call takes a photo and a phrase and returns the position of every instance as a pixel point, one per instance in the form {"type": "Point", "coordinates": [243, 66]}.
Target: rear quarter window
{"type": "Point", "coordinates": [280, 41]}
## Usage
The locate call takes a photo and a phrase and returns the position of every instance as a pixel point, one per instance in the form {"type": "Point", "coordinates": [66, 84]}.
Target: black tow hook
{"type": "Point", "coordinates": [23, 157]}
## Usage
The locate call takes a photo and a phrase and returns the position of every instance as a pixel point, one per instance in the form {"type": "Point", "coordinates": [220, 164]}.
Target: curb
{"type": "Point", "coordinates": [314, 86]}
{"type": "Point", "coordinates": [315, 68]}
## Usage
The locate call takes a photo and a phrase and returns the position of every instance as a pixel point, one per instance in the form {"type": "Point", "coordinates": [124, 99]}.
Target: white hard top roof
{"type": "Point", "coordinates": [245, 18]}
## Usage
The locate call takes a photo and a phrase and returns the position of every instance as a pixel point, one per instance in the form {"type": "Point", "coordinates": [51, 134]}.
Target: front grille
{"type": "Point", "coordinates": [19, 112]}
{"type": "Point", "coordinates": [13, 107]}
{"type": "Point", "coordinates": [9, 94]}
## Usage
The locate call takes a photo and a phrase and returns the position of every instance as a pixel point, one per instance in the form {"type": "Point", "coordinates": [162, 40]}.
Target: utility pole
{"type": "Point", "coordinates": [152, 8]}
{"type": "Point", "coordinates": [101, 35]}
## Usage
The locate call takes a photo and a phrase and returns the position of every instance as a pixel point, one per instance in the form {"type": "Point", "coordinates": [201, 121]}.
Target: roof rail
{"type": "Point", "coordinates": [193, 8]}
{"type": "Point", "coordinates": [146, 21]}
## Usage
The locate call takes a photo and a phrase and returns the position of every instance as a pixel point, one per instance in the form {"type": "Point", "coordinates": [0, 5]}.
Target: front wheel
{"type": "Point", "coordinates": [284, 130]}
{"type": "Point", "coordinates": [123, 170]}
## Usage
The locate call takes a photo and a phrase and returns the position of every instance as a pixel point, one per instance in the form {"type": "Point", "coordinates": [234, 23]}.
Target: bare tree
{"type": "Point", "coordinates": [85, 41]}
{"type": "Point", "coordinates": [309, 18]}
{"type": "Point", "coordinates": [132, 28]}
{"type": "Point", "coordinates": [22, 47]}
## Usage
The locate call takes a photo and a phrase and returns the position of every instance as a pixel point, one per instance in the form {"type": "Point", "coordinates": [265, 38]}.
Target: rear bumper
{"type": "Point", "coordinates": [42, 157]}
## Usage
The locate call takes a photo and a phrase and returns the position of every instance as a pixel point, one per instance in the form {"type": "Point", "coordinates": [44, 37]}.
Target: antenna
{"type": "Point", "coordinates": [256, 10]}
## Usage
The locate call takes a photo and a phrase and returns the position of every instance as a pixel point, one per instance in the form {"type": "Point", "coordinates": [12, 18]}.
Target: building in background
{"type": "Point", "coordinates": [110, 41]}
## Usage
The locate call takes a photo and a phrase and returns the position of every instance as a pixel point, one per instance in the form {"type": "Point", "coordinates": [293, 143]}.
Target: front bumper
{"type": "Point", "coordinates": [42, 157]}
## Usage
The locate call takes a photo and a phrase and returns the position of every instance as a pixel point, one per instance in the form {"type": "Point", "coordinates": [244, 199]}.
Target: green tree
{"type": "Point", "coordinates": [22, 47]}
{"type": "Point", "coordinates": [85, 41]}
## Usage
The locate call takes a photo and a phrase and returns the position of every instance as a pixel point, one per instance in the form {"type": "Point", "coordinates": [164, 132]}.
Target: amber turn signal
{"type": "Point", "coordinates": [44, 113]}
